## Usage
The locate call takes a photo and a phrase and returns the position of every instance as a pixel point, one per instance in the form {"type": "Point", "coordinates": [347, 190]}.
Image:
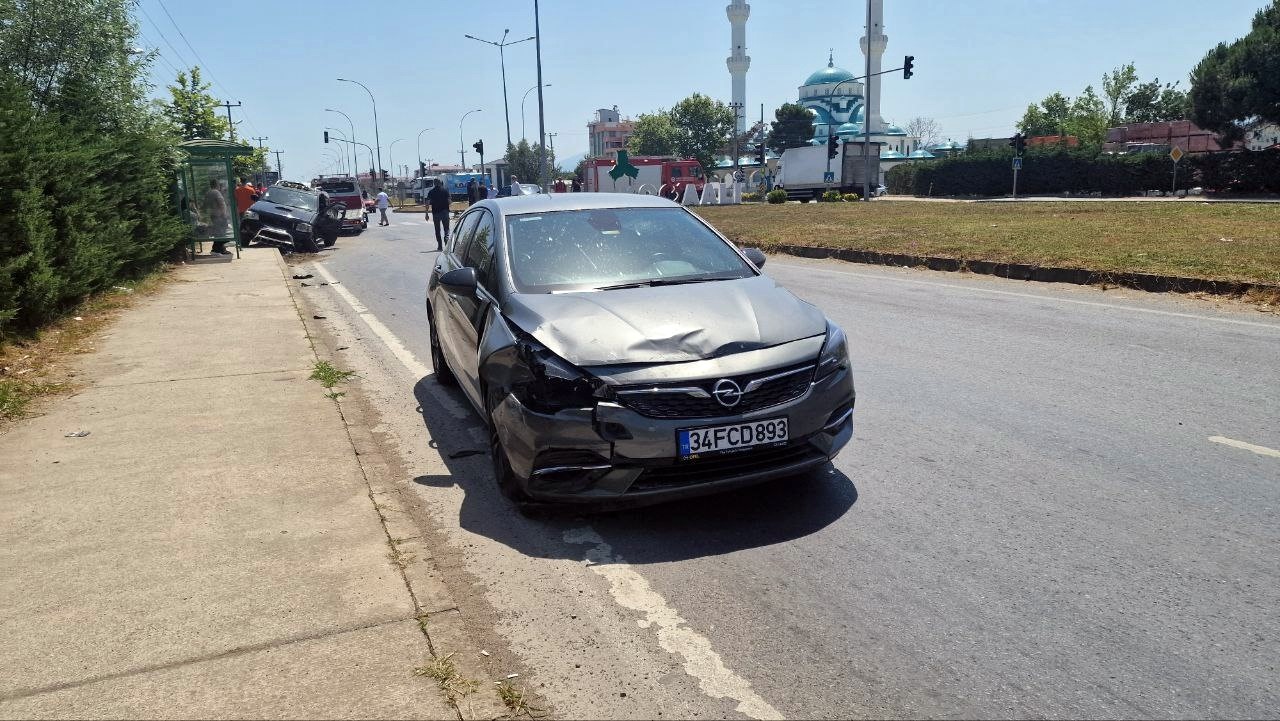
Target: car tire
{"type": "Point", "coordinates": [508, 482]}
{"type": "Point", "coordinates": [443, 375]}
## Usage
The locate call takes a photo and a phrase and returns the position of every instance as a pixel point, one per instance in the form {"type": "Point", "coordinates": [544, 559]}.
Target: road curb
{"type": "Point", "coordinates": [439, 615]}
{"type": "Point", "coordinates": [1043, 274]}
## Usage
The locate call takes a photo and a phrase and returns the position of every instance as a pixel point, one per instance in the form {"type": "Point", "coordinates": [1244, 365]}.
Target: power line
{"type": "Point", "coordinates": [164, 37]}
{"type": "Point", "coordinates": [204, 65]}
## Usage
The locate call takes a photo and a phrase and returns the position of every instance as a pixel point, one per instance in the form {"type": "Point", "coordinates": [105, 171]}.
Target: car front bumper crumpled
{"type": "Point", "coordinates": [612, 453]}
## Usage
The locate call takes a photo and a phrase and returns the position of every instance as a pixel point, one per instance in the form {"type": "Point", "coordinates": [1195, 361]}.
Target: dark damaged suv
{"type": "Point", "coordinates": [293, 217]}
{"type": "Point", "coordinates": [621, 350]}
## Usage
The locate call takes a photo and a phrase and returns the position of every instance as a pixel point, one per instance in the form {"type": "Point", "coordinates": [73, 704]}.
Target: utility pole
{"type": "Point", "coordinates": [279, 164]}
{"type": "Point", "coordinates": [867, 118]}
{"type": "Point", "coordinates": [230, 124]}
{"type": "Point", "coordinates": [552, 138]}
{"type": "Point", "coordinates": [542, 125]}
{"type": "Point", "coordinates": [738, 110]}
{"type": "Point", "coordinates": [260, 141]}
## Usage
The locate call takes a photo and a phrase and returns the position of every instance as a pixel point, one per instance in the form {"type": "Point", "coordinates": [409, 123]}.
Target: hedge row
{"type": "Point", "coordinates": [80, 210]}
{"type": "Point", "coordinates": [1075, 171]}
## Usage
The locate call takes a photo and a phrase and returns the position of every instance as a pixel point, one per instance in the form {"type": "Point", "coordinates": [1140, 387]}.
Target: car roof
{"type": "Point", "coordinates": [550, 202]}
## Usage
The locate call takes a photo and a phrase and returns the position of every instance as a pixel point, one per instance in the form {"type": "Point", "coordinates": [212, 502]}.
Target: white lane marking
{"type": "Point", "coordinates": [1260, 450]}
{"type": "Point", "coordinates": [632, 591]}
{"type": "Point", "coordinates": [627, 587]}
{"type": "Point", "coordinates": [394, 344]}
{"type": "Point", "coordinates": [806, 268]}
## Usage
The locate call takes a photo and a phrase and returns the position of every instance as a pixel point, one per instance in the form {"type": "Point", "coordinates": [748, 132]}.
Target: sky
{"type": "Point", "coordinates": [978, 64]}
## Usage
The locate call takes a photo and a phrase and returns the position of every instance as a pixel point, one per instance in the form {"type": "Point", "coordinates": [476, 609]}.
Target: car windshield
{"type": "Point", "coordinates": [616, 247]}
{"type": "Point", "coordinates": [281, 195]}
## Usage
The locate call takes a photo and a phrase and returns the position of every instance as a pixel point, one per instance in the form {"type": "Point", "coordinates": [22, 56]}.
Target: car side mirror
{"type": "Point", "coordinates": [460, 281]}
{"type": "Point", "coordinates": [755, 256]}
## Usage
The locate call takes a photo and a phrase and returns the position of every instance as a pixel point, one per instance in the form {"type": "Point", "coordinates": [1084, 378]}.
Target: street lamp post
{"type": "Point", "coordinates": [522, 99]}
{"type": "Point", "coordinates": [346, 161]}
{"type": "Point", "coordinates": [501, 46]}
{"type": "Point", "coordinates": [420, 132]}
{"type": "Point", "coordinates": [462, 144]}
{"type": "Point", "coordinates": [390, 160]}
{"type": "Point", "coordinates": [355, 159]}
{"type": "Point", "coordinates": [377, 141]}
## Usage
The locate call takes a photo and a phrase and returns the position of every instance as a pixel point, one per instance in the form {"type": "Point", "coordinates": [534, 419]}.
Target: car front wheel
{"type": "Point", "coordinates": [508, 482]}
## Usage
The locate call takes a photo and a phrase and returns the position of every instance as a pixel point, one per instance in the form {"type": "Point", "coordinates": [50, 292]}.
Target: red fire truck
{"type": "Point", "coordinates": [663, 174]}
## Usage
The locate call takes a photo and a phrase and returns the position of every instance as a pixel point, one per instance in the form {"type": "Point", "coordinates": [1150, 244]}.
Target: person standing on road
{"type": "Point", "coordinates": [471, 192]}
{"type": "Point", "coordinates": [492, 192]}
{"type": "Point", "coordinates": [515, 187]}
{"type": "Point", "coordinates": [438, 197]}
{"type": "Point", "coordinates": [383, 203]}
{"type": "Point", "coordinates": [215, 207]}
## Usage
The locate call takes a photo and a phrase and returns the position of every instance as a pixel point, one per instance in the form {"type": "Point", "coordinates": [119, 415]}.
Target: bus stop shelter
{"type": "Point", "coordinates": [205, 192]}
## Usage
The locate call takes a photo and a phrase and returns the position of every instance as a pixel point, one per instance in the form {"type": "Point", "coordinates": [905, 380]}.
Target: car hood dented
{"type": "Point", "coordinates": [666, 324]}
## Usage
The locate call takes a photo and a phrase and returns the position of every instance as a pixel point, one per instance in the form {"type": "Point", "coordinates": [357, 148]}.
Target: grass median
{"type": "Point", "coordinates": [1214, 241]}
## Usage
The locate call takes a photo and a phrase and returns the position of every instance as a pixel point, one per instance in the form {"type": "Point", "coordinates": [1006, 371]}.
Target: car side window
{"type": "Point", "coordinates": [479, 253]}
{"type": "Point", "coordinates": [462, 231]}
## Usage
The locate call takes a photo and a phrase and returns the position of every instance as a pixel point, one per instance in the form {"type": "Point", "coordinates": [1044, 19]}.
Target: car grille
{"type": "Point", "coordinates": [719, 468]}
{"type": "Point", "coordinates": [786, 384]}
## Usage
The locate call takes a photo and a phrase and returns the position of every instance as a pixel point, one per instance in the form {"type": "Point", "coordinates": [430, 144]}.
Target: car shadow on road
{"type": "Point", "coordinates": [762, 515]}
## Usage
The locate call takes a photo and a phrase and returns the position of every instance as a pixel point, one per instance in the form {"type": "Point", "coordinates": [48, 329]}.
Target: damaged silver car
{"type": "Point", "coordinates": [621, 350]}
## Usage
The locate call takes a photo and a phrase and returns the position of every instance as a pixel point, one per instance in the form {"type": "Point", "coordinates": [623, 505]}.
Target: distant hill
{"type": "Point", "coordinates": [568, 164]}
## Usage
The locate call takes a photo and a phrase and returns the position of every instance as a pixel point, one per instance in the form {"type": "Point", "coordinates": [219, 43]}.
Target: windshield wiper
{"type": "Point", "coordinates": [655, 282]}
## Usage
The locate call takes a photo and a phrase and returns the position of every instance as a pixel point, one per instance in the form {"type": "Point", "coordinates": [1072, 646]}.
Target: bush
{"type": "Point", "coordinates": [1081, 171]}
{"type": "Point", "coordinates": [776, 196]}
{"type": "Point", "coordinates": [750, 197]}
{"type": "Point", "coordinates": [851, 197]}
{"type": "Point", "coordinates": [832, 196]}
{"type": "Point", "coordinates": [85, 167]}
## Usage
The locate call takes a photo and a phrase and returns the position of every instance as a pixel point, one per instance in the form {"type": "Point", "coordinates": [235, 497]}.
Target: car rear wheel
{"type": "Point", "coordinates": [444, 376]}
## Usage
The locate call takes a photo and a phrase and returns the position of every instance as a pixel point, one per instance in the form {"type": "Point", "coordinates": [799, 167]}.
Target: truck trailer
{"type": "Point", "coordinates": [801, 171]}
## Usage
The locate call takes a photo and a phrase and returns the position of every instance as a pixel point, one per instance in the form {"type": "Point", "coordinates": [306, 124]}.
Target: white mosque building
{"type": "Point", "coordinates": [837, 100]}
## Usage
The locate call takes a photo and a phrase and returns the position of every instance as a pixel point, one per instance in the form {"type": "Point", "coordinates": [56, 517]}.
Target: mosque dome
{"type": "Point", "coordinates": [829, 75]}
{"type": "Point", "coordinates": [849, 129]}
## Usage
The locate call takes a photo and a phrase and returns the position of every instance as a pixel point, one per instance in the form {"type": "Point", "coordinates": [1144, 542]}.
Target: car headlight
{"type": "Point", "coordinates": [302, 227]}
{"type": "Point", "coordinates": [834, 355]}
{"type": "Point", "coordinates": [250, 215]}
{"type": "Point", "coordinates": [552, 384]}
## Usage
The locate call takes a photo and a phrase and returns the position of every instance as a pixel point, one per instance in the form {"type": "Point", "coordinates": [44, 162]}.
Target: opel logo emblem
{"type": "Point", "coordinates": [727, 392]}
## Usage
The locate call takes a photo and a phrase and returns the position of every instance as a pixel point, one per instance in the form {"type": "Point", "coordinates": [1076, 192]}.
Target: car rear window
{"type": "Point", "coordinates": [338, 187]}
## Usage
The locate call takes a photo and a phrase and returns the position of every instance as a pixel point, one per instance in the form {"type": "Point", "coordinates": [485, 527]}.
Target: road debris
{"type": "Point", "coordinates": [299, 276]}
{"type": "Point", "coordinates": [76, 434]}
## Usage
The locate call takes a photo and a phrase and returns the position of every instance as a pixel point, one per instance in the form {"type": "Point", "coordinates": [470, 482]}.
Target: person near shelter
{"type": "Point", "coordinates": [383, 203]}
{"type": "Point", "coordinates": [438, 197]}
{"type": "Point", "coordinates": [515, 187]}
{"type": "Point", "coordinates": [215, 208]}
{"type": "Point", "coordinates": [244, 196]}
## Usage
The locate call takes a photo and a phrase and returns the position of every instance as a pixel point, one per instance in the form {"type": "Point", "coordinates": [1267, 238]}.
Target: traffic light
{"type": "Point", "coordinates": [908, 65]}
{"type": "Point", "coordinates": [479, 146]}
{"type": "Point", "coordinates": [833, 146]}
{"type": "Point", "coordinates": [326, 136]}
{"type": "Point", "coordinates": [760, 154]}
{"type": "Point", "coordinates": [1018, 143]}
{"type": "Point", "coordinates": [386, 175]}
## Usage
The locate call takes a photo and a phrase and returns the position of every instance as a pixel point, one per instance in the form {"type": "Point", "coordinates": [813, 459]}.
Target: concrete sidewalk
{"type": "Point", "coordinates": [211, 548]}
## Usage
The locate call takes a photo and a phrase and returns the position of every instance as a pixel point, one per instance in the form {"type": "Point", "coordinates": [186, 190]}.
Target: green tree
{"type": "Point", "coordinates": [653, 134]}
{"type": "Point", "coordinates": [1117, 86]}
{"type": "Point", "coordinates": [1088, 118]}
{"type": "Point", "coordinates": [792, 127]}
{"type": "Point", "coordinates": [85, 161]}
{"type": "Point", "coordinates": [244, 166]}
{"type": "Point", "coordinates": [522, 161]}
{"type": "Point", "coordinates": [1153, 103]}
{"type": "Point", "coordinates": [193, 110]}
{"type": "Point", "coordinates": [703, 126]}
{"type": "Point", "coordinates": [1049, 117]}
{"type": "Point", "coordinates": [1239, 83]}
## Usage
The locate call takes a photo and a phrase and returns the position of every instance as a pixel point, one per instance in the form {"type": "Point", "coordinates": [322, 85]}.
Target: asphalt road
{"type": "Point", "coordinates": [1031, 521]}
